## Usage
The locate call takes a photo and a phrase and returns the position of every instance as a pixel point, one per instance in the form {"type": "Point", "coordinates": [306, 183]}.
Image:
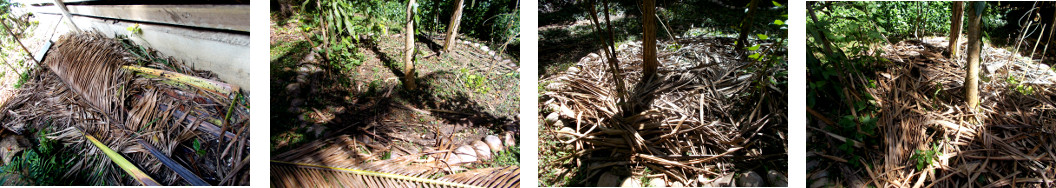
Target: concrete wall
{"type": "Point", "coordinates": [224, 53]}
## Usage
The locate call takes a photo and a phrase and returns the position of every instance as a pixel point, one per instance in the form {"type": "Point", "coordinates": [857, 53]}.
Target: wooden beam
{"type": "Point", "coordinates": [226, 17]}
{"type": "Point", "coordinates": [66, 13]}
{"type": "Point", "coordinates": [43, 2]}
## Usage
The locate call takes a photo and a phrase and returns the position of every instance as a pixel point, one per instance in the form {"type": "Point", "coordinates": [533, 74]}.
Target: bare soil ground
{"type": "Point", "coordinates": [464, 95]}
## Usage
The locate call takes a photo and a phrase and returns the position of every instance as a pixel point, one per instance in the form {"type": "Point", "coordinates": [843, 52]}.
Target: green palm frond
{"type": "Point", "coordinates": [129, 168]}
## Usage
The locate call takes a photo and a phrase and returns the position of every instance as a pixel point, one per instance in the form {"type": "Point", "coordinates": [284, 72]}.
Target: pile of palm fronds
{"type": "Point", "coordinates": [167, 119]}
{"type": "Point", "coordinates": [931, 138]}
{"type": "Point", "coordinates": [709, 117]}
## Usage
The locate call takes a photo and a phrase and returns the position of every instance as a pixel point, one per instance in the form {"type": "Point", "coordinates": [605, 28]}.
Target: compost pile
{"type": "Point", "coordinates": [708, 119]}
{"type": "Point", "coordinates": [931, 138]}
{"type": "Point", "coordinates": [133, 101]}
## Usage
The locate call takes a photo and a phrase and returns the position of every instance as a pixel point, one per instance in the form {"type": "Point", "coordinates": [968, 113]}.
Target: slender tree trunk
{"type": "Point", "coordinates": [746, 25]}
{"type": "Point", "coordinates": [452, 31]}
{"type": "Point", "coordinates": [609, 45]}
{"type": "Point", "coordinates": [955, 28]}
{"type": "Point", "coordinates": [408, 68]}
{"type": "Point", "coordinates": [649, 40]}
{"type": "Point", "coordinates": [612, 34]}
{"type": "Point", "coordinates": [974, 46]}
{"type": "Point", "coordinates": [825, 45]}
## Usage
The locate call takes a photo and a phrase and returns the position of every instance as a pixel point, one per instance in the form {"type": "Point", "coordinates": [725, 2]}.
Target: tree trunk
{"type": "Point", "coordinates": [825, 44]}
{"type": "Point", "coordinates": [746, 25]}
{"type": "Point", "coordinates": [452, 30]}
{"type": "Point", "coordinates": [649, 40]}
{"type": "Point", "coordinates": [974, 46]}
{"type": "Point", "coordinates": [955, 28]}
{"type": "Point", "coordinates": [408, 67]}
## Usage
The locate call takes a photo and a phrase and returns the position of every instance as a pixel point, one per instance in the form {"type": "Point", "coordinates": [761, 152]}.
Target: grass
{"type": "Point", "coordinates": [22, 79]}
{"type": "Point", "coordinates": [504, 158]}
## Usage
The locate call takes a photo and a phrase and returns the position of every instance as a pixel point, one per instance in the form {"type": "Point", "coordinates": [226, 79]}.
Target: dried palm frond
{"type": "Point", "coordinates": [286, 174]}
{"type": "Point", "coordinates": [90, 64]}
{"type": "Point", "coordinates": [488, 177]}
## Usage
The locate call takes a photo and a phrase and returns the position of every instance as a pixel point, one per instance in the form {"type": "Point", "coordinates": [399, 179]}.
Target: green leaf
{"type": "Point", "coordinates": [779, 22]}
{"type": "Point", "coordinates": [754, 56]}
{"type": "Point", "coordinates": [762, 36]}
{"type": "Point", "coordinates": [753, 48]}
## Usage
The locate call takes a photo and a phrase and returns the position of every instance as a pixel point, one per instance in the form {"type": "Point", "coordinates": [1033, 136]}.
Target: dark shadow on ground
{"type": "Point", "coordinates": [562, 44]}
{"type": "Point", "coordinates": [364, 108]}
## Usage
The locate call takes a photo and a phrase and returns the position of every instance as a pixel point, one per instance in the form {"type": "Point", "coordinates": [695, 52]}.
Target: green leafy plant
{"type": "Point", "coordinates": [1017, 86]}
{"type": "Point", "coordinates": [134, 29]}
{"type": "Point", "coordinates": [477, 82]}
{"type": "Point", "coordinates": [22, 78]}
{"type": "Point", "coordinates": [925, 158]}
{"type": "Point", "coordinates": [44, 164]}
{"type": "Point", "coordinates": [198, 149]}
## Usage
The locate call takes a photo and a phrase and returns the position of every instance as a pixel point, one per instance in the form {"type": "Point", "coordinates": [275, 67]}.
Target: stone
{"type": "Point", "coordinates": [484, 48]}
{"type": "Point", "coordinates": [812, 164]}
{"type": "Point", "coordinates": [463, 154]}
{"type": "Point", "coordinates": [293, 87]}
{"type": "Point", "coordinates": [776, 179]}
{"type": "Point", "coordinates": [703, 180]}
{"type": "Point", "coordinates": [631, 182]}
{"type": "Point", "coordinates": [296, 102]}
{"type": "Point", "coordinates": [573, 70]}
{"type": "Point", "coordinates": [608, 179]}
{"type": "Point", "coordinates": [509, 139]}
{"type": "Point", "coordinates": [494, 143]}
{"type": "Point", "coordinates": [551, 118]}
{"type": "Point", "coordinates": [657, 182]}
{"type": "Point", "coordinates": [820, 174]}
{"type": "Point", "coordinates": [566, 134]}
{"type": "Point", "coordinates": [491, 53]}
{"type": "Point", "coordinates": [12, 145]}
{"type": "Point", "coordinates": [750, 179]}
{"type": "Point", "coordinates": [818, 183]}
{"type": "Point", "coordinates": [482, 150]}
{"type": "Point", "coordinates": [677, 184]}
